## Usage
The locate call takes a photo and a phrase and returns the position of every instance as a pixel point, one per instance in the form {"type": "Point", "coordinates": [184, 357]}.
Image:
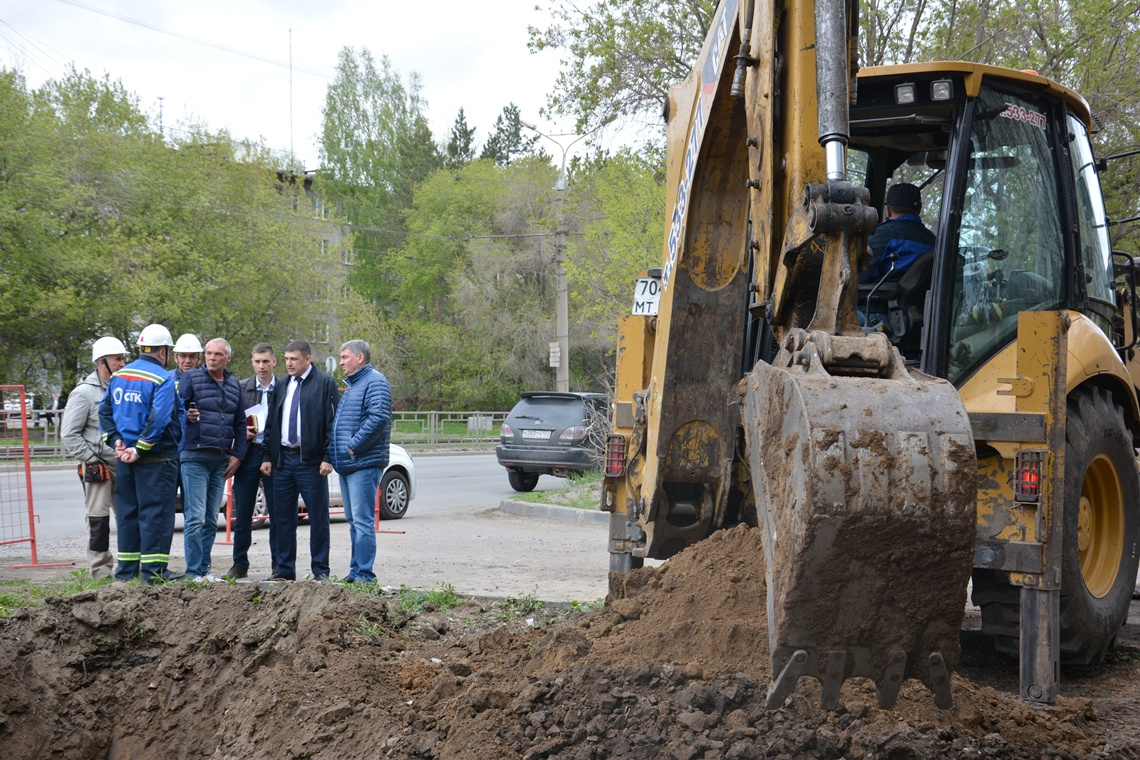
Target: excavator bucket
{"type": "Point", "coordinates": [865, 488]}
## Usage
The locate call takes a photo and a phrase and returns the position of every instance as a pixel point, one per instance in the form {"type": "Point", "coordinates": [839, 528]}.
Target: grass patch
{"type": "Point", "coordinates": [597, 604]}
{"type": "Point", "coordinates": [413, 602]}
{"type": "Point", "coordinates": [15, 594]}
{"type": "Point", "coordinates": [366, 627]}
{"type": "Point", "coordinates": [514, 607]}
{"type": "Point", "coordinates": [584, 491]}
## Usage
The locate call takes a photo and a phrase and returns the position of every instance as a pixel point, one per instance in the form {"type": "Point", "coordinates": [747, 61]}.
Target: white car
{"type": "Point", "coordinates": [397, 489]}
{"type": "Point", "coordinates": [397, 485]}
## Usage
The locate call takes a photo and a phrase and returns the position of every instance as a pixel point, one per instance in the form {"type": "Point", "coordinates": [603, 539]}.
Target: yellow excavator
{"type": "Point", "coordinates": [970, 417]}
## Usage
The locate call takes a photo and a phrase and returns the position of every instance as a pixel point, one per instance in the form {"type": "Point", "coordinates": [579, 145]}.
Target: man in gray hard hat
{"type": "Point", "coordinates": [79, 432]}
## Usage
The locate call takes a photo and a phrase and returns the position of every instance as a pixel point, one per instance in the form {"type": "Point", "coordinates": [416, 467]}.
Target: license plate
{"type": "Point", "coordinates": [541, 435]}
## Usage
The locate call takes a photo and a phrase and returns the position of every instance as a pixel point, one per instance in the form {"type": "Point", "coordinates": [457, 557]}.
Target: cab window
{"type": "Point", "coordinates": [1096, 253]}
{"type": "Point", "coordinates": [1010, 247]}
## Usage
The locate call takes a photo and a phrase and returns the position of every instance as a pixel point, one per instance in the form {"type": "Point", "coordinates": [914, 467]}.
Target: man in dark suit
{"type": "Point", "coordinates": [255, 395]}
{"type": "Point", "coordinates": [297, 433]}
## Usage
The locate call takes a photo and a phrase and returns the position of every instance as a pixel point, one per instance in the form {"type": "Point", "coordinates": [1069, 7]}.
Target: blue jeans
{"type": "Point", "coordinates": [358, 491]}
{"type": "Point", "coordinates": [246, 478]}
{"type": "Point", "coordinates": [144, 501]}
{"type": "Point", "coordinates": [291, 478]}
{"type": "Point", "coordinates": [202, 490]}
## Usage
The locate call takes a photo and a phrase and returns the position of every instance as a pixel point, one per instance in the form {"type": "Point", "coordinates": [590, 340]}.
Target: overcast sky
{"type": "Point", "coordinates": [227, 62]}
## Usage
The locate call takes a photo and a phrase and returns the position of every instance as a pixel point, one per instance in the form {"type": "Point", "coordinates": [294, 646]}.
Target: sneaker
{"type": "Point", "coordinates": [236, 572]}
{"type": "Point", "coordinates": [207, 578]}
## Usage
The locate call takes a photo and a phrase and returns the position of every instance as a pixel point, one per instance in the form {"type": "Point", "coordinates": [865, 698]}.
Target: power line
{"type": "Point", "coordinates": [196, 41]}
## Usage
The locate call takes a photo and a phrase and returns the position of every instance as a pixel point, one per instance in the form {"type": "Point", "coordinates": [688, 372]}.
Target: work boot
{"type": "Point", "coordinates": [236, 572]}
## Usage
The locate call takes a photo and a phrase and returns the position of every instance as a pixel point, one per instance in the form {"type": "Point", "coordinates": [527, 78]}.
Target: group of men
{"type": "Point", "coordinates": [139, 429]}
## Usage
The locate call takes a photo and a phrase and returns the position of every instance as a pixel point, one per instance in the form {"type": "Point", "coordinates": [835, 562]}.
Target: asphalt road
{"type": "Point", "coordinates": [454, 532]}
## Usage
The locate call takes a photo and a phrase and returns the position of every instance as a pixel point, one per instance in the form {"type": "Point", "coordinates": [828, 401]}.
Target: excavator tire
{"type": "Point", "coordinates": [1101, 538]}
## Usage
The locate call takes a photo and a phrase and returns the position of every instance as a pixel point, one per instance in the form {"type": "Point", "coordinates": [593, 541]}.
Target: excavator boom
{"type": "Point", "coordinates": [859, 471]}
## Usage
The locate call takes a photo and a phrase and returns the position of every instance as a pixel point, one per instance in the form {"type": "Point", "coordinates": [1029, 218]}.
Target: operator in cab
{"type": "Point", "coordinates": [903, 234]}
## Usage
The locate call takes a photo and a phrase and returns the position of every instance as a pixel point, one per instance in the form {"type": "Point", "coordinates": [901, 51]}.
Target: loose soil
{"type": "Point", "coordinates": [675, 665]}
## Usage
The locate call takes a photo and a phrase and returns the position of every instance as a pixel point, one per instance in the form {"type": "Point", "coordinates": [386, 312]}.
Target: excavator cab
{"type": "Point", "coordinates": [999, 163]}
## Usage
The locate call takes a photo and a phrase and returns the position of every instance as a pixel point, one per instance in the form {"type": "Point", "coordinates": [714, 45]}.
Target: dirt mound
{"type": "Point", "coordinates": [674, 666]}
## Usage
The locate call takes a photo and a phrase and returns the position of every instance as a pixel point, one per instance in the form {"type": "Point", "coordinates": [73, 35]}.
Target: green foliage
{"type": "Point", "coordinates": [621, 56]}
{"type": "Point", "coordinates": [460, 148]}
{"type": "Point", "coordinates": [376, 146]}
{"type": "Point", "coordinates": [515, 607]}
{"type": "Point", "coordinates": [621, 206]}
{"type": "Point", "coordinates": [413, 601]}
{"type": "Point", "coordinates": [507, 142]}
{"type": "Point", "coordinates": [584, 491]}
{"type": "Point", "coordinates": [23, 593]}
{"type": "Point", "coordinates": [366, 627]}
{"type": "Point", "coordinates": [105, 227]}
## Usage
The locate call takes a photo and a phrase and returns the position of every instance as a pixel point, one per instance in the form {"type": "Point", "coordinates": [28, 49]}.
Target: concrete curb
{"type": "Point", "coordinates": [554, 512]}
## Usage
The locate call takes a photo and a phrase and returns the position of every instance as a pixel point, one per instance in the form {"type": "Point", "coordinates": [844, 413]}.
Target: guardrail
{"type": "Point", "coordinates": [414, 430]}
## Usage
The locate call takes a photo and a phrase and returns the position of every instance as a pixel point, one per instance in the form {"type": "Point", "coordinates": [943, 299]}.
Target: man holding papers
{"type": "Point", "coordinates": [255, 398]}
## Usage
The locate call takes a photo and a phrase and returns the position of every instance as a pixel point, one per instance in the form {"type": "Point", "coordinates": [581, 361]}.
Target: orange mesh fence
{"type": "Point", "coordinates": [17, 513]}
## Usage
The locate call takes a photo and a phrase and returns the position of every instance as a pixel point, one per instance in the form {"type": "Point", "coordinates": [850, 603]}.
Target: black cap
{"type": "Point", "coordinates": [904, 194]}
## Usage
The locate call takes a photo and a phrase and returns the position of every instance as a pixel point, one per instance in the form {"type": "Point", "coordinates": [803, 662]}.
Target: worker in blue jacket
{"type": "Point", "coordinates": [900, 240]}
{"type": "Point", "coordinates": [141, 419]}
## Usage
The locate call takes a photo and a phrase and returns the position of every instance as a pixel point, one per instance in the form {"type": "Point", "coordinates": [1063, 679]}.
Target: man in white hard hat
{"type": "Point", "coordinates": [79, 432]}
{"type": "Point", "coordinates": [187, 354]}
{"type": "Point", "coordinates": [141, 416]}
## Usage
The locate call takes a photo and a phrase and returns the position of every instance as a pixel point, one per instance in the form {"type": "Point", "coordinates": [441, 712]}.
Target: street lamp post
{"type": "Point", "coordinates": [561, 294]}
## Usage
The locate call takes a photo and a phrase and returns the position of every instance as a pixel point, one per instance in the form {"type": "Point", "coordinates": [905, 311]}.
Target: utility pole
{"type": "Point", "coordinates": [561, 291]}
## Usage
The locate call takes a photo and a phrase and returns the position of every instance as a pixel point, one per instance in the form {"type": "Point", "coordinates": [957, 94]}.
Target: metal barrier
{"type": "Point", "coordinates": [446, 428]}
{"type": "Point", "coordinates": [415, 430]}
{"type": "Point", "coordinates": [17, 510]}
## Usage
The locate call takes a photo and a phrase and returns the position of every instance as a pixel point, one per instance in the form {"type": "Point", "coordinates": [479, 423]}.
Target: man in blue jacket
{"type": "Point", "coordinates": [903, 235]}
{"type": "Point", "coordinates": [212, 448]}
{"type": "Point", "coordinates": [359, 452]}
{"type": "Point", "coordinates": [141, 418]}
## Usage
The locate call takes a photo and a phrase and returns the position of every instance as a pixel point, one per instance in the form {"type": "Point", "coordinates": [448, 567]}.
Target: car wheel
{"type": "Point", "coordinates": [393, 495]}
{"type": "Point", "coordinates": [522, 481]}
{"type": "Point", "coordinates": [260, 509]}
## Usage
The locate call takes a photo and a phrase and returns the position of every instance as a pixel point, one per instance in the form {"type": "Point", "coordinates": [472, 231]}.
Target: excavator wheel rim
{"type": "Point", "coordinates": [1100, 526]}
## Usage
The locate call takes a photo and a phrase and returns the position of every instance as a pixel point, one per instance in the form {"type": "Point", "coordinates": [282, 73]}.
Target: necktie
{"type": "Point", "coordinates": [294, 413]}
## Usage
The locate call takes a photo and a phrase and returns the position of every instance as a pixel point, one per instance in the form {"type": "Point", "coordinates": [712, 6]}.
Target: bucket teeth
{"type": "Point", "coordinates": [866, 493]}
{"type": "Point", "coordinates": [786, 681]}
{"type": "Point", "coordinates": [891, 682]}
{"type": "Point", "coordinates": [832, 680]}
